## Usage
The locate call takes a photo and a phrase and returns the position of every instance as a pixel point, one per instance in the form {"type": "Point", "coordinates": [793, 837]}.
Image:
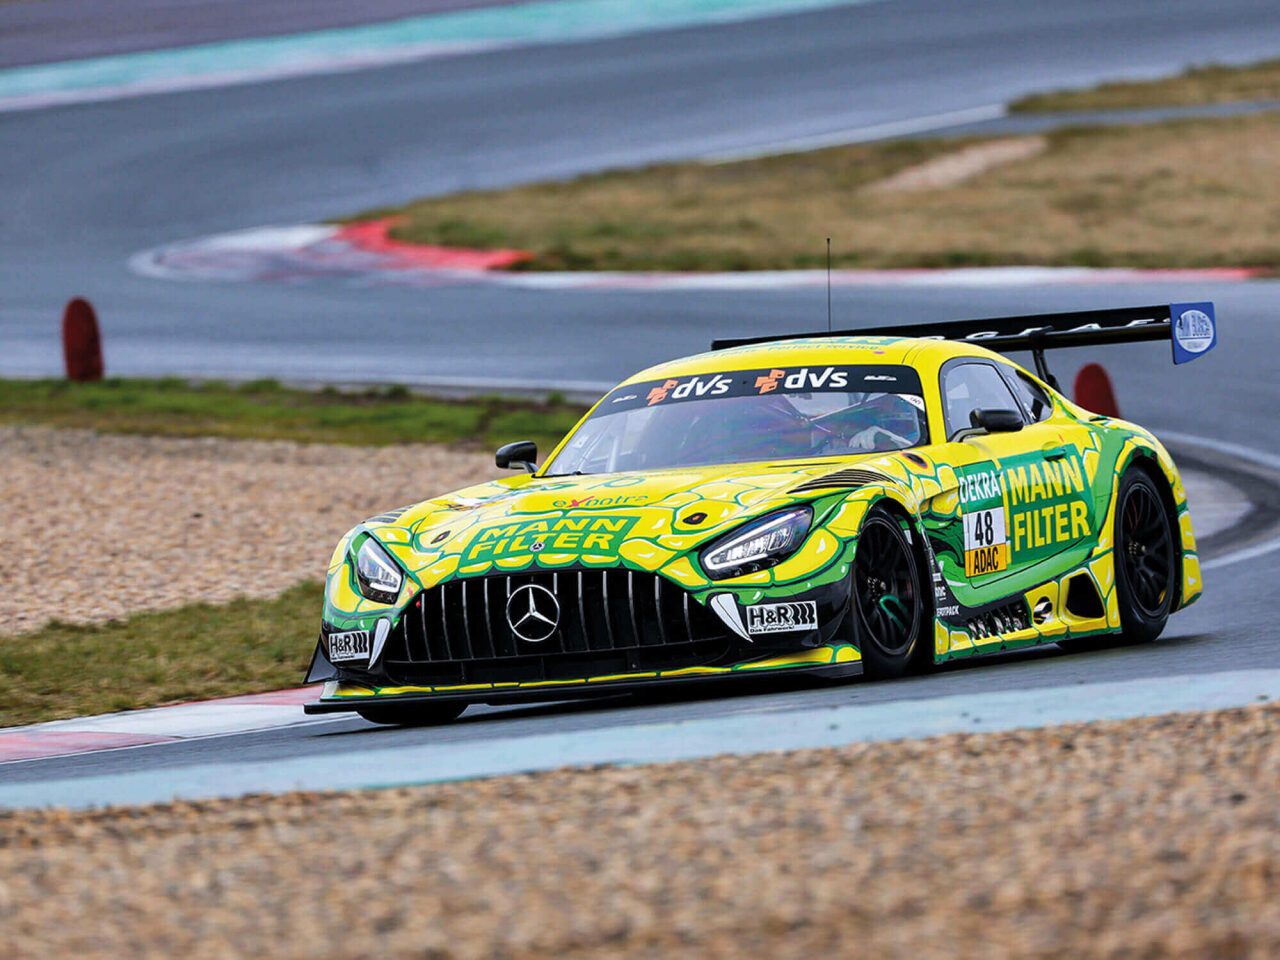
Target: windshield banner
{"type": "Point", "coordinates": [863, 378]}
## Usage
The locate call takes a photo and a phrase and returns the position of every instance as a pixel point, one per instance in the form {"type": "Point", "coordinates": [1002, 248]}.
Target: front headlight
{"type": "Point", "coordinates": [377, 574]}
{"type": "Point", "coordinates": [759, 545]}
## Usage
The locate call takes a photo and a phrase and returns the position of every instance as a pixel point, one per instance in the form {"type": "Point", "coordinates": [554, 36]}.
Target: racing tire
{"type": "Point", "coordinates": [1146, 557]}
{"type": "Point", "coordinates": [412, 714]}
{"type": "Point", "coordinates": [887, 600]}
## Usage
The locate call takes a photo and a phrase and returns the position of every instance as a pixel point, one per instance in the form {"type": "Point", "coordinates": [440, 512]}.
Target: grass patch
{"type": "Point", "coordinates": [194, 652]}
{"type": "Point", "coordinates": [265, 410]}
{"type": "Point", "coordinates": [1189, 193]}
{"type": "Point", "coordinates": [1196, 86]}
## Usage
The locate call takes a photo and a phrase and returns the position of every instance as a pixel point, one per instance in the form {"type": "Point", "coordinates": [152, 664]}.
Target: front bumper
{"type": "Point", "coordinates": [576, 666]}
{"type": "Point", "coordinates": [831, 661]}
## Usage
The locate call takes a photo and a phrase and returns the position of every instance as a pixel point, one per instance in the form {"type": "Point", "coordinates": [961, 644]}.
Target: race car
{"type": "Point", "coordinates": [864, 502]}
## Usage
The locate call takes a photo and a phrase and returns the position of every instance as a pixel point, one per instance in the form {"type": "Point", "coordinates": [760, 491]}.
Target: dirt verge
{"type": "Point", "coordinates": [106, 526]}
{"type": "Point", "coordinates": [1147, 838]}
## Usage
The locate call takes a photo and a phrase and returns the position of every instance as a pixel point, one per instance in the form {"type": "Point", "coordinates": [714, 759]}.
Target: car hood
{"type": "Point", "coordinates": [649, 520]}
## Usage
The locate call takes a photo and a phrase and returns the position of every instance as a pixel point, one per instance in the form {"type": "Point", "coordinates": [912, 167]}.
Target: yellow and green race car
{"type": "Point", "coordinates": [861, 502]}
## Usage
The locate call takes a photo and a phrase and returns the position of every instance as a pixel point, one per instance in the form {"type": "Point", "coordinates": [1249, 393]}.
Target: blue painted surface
{"type": "Point", "coordinates": [743, 733]}
{"type": "Point", "coordinates": [371, 45]}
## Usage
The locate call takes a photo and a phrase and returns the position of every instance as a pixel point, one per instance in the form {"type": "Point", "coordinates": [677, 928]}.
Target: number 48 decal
{"type": "Point", "coordinates": [984, 529]}
{"type": "Point", "coordinates": [986, 543]}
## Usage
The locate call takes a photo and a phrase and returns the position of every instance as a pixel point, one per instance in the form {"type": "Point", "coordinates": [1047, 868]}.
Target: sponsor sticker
{"type": "Point", "coordinates": [1048, 504]}
{"type": "Point", "coordinates": [691, 389]}
{"type": "Point", "coordinates": [856, 378]}
{"type": "Point", "coordinates": [595, 533]}
{"type": "Point", "coordinates": [1194, 330]}
{"type": "Point", "coordinates": [1030, 508]}
{"type": "Point", "coordinates": [594, 502]}
{"type": "Point", "coordinates": [986, 537]}
{"type": "Point", "coordinates": [986, 542]}
{"type": "Point", "coordinates": [782, 617]}
{"type": "Point", "coordinates": [350, 645]}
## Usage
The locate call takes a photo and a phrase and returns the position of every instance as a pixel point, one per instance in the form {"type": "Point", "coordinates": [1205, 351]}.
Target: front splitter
{"type": "Point", "coordinates": [552, 691]}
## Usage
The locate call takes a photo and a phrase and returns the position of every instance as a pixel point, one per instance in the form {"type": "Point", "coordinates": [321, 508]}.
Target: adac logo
{"type": "Point", "coordinates": [694, 387]}
{"type": "Point", "coordinates": [769, 382]}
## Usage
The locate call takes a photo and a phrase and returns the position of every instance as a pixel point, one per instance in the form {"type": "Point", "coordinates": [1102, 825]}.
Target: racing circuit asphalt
{"type": "Point", "coordinates": [90, 185]}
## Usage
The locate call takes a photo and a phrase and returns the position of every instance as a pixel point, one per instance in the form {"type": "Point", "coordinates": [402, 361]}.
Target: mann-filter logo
{"type": "Point", "coordinates": [597, 534]}
{"type": "Point", "coordinates": [782, 617]}
{"type": "Point", "coordinates": [1030, 509]}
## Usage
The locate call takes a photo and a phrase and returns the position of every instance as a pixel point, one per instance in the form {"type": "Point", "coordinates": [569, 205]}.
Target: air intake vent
{"type": "Point", "coordinates": [841, 480]}
{"type": "Point", "coordinates": [606, 621]}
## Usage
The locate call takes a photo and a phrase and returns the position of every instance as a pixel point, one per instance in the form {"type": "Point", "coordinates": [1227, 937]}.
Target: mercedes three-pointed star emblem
{"type": "Point", "coordinates": [533, 612]}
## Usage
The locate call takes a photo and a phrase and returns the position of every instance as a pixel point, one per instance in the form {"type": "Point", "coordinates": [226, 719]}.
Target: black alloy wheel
{"type": "Point", "coordinates": [886, 596]}
{"type": "Point", "coordinates": [1146, 557]}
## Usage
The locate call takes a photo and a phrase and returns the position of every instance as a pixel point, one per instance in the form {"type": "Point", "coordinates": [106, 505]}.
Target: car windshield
{"type": "Point", "coordinates": [747, 415]}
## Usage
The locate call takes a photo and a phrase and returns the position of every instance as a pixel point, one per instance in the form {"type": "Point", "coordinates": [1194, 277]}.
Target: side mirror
{"type": "Point", "coordinates": [990, 421]}
{"type": "Point", "coordinates": [520, 455]}
{"type": "Point", "coordinates": [996, 421]}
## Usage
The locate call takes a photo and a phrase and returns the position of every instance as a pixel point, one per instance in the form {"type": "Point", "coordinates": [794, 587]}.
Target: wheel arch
{"type": "Point", "coordinates": [1158, 469]}
{"type": "Point", "coordinates": [924, 569]}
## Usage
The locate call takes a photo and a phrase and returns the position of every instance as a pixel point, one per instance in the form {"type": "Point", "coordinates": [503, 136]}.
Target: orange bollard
{"type": "Point", "coordinates": [81, 344]}
{"type": "Point", "coordinates": [1093, 391]}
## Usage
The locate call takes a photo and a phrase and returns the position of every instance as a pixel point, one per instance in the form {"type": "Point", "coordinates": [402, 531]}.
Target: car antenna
{"type": "Point", "coordinates": [828, 284]}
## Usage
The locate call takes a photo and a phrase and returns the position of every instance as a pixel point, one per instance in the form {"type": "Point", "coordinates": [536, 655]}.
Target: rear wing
{"type": "Point", "coordinates": [1191, 329]}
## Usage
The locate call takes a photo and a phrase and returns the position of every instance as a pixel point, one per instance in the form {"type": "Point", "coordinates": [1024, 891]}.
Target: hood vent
{"type": "Point", "coordinates": [841, 480]}
{"type": "Point", "coordinates": [391, 516]}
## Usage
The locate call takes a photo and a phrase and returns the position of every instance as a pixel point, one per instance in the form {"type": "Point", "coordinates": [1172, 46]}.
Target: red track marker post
{"type": "Point", "coordinates": [81, 344]}
{"type": "Point", "coordinates": [1093, 391]}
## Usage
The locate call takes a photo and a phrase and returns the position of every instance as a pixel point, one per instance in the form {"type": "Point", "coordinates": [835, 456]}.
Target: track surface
{"type": "Point", "coordinates": [48, 31]}
{"type": "Point", "coordinates": [97, 183]}
{"type": "Point", "coordinates": [91, 185]}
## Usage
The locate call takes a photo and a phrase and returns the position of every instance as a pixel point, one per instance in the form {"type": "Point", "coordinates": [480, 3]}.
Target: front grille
{"type": "Point", "coordinates": [610, 621]}
{"type": "Point", "coordinates": [849, 478]}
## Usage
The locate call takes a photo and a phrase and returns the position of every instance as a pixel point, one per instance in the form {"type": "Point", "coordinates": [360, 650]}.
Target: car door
{"type": "Point", "coordinates": [1049, 496]}
{"type": "Point", "coordinates": [981, 528]}
{"type": "Point", "coordinates": [1023, 495]}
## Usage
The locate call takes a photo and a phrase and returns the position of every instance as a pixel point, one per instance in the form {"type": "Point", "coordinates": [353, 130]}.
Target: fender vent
{"type": "Point", "coordinates": [841, 480]}
{"type": "Point", "coordinates": [1083, 600]}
